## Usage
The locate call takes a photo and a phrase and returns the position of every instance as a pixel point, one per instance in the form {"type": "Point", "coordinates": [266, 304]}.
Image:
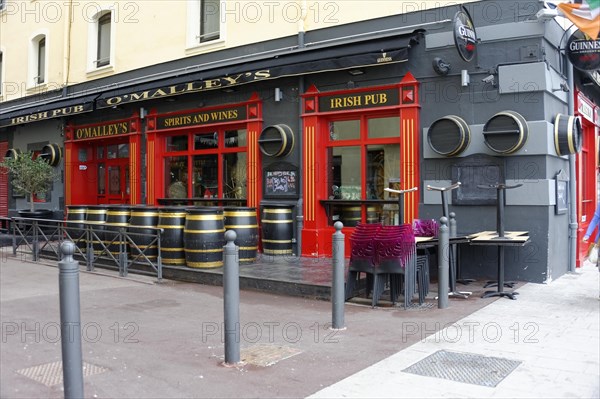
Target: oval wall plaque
{"type": "Point", "coordinates": [583, 52]}
{"type": "Point", "coordinates": [465, 37]}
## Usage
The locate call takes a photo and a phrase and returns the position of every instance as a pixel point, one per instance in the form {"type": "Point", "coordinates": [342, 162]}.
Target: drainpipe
{"type": "Point", "coordinates": [572, 181]}
{"type": "Point", "coordinates": [299, 204]}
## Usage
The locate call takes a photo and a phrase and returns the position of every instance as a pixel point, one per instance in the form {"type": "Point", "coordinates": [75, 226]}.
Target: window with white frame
{"type": "Point", "coordinates": [38, 60]}
{"type": "Point", "coordinates": [103, 47]}
{"type": "Point", "coordinates": [204, 22]}
{"type": "Point", "coordinates": [101, 41]}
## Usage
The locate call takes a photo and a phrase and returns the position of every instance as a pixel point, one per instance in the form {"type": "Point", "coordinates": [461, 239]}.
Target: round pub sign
{"type": "Point", "coordinates": [465, 37]}
{"type": "Point", "coordinates": [583, 51]}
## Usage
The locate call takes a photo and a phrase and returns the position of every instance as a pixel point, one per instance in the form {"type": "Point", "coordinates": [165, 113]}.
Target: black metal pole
{"type": "Point", "coordinates": [443, 253]}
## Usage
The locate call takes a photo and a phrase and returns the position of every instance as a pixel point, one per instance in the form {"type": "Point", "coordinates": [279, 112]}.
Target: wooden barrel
{"type": "Point", "coordinates": [142, 231]}
{"type": "Point", "coordinates": [52, 153]}
{"type": "Point", "coordinates": [96, 216]}
{"type": "Point", "coordinates": [372, 214]}
{"type": "Point", "coordinates": [117, 217]}
{"type": "Point", "coordinates": [277, 229]}
{"type": "Point", "coordinates": [77, 213]}
{"type": "Point", "coordinates": [245, 224]}
{"type": "Point", "coordinates": [172, 221]}
{"type": "Point", "coordinates": [351, 215]}
{"type": "Point", "coordinates": [203, 237]}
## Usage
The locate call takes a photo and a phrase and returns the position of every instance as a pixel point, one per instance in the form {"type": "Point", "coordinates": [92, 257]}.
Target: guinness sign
{"type": "Point", "coordinates": [465, 37]}
{"type": "Point", "coordinates": [583, 52]}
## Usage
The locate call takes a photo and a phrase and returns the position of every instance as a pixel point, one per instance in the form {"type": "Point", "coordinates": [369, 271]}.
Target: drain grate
{"type": "Point", "coordinates": [51, 374]}
{"type": "Point", "coordinates": [464, 367]}
{"type": "Point", "coordinates": [416, 306]}
{"type": "Point", "coordinates": [266, 355]}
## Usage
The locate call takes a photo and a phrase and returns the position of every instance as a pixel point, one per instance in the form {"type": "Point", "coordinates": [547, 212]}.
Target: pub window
{"type": "Point", "coordinates": [101, 179]}
{"type": "Point", "coordinates": [207, 164]}
{"type": "Point", "coordinates": [363, 159]}
{"type": "Point", "coordinates": [103, 49]}
{"type": "Point", "coordinates": [37, 63]}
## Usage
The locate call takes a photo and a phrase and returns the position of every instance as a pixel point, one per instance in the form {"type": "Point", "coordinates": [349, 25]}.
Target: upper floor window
{"type": "Point", "coordinates": [1, 70]}
{"type": "Point", "coordinates": [101, 41]}
{"type": "Point", "coordinates": [2, 4]}
{"type": "Point", "coordinates": [209, 20]}
{"type": "Point", "coordinates": [103, 50]}
{"type": "Point", "coordinates": [204, 22]}
{"type": "Point", "coordinates": [38, 60]}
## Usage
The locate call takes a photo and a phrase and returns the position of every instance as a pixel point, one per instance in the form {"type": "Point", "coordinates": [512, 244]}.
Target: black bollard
{"type": "Point", "coordinates": [231, 298]}
{"type": "Point", "coordinates": [443, 257]}
{"type": "Point", "coordinates": [70, 322]}
{"type": "Point", "coordinates": [337, 281]}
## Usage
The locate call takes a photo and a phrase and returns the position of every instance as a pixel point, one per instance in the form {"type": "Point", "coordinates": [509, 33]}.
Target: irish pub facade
{"type": "Point", "coordinates": [323, 121]}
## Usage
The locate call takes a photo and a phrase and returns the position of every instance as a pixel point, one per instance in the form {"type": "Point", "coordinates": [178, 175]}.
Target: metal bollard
{"type": "Point", "coordinates": [231, 298]}
{"type": "Point", "coordinates": [299, 228]}
{"type": "Point", "coordinates": [70, 322]}
{"type": "Point", "coordinates": [443, 257]}
{"type": "Point", "coordinates": [337, 281]}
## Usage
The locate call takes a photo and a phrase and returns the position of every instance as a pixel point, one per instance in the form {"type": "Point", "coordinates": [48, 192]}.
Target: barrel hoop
{"type": "Point", "coordinates": [166, 249]}
{"type": "Point", "coordinates": [278, 241]}
{"type": "Point", "coordinates": [138, 226]}
{"type": "Point", "coordinates": [239, 214]}
{"type": "Point", "coordinates": [278, 211]}
{"type": "Point", "coordinates": [277, 221]}
{"type": "Point", "coordinates": [204, 250]}
{"type": "Point", "coordinates": [248, 248]}
{"type": "Point", "coordinates": [204, 217]}
{"type": "Point", "coordinates": [278, 251]}
{"type": "Point", "coordinates": [205, 264]}
{"type": "Point", "coordinates": [109, 224]}
{"type": "Point", "coordinates": [204, 231]}
{"type": "Point", "coordinates": [76, 211]}
{"type": "Point", "coordinates": [118, 213]}
{"type": "Point", "coordinates": [169, 226]}
{"type": "Point", "coordinates": [241, 226]}
{"type": "Point", "coordinates": [143, 214]}
{"type": "Point", "coordinates": [97, 212]}
{"type": "Point", "coordinates": [247, 259]}
{"type": "Point", "coordinates": [172, 214]}
{"type": "Point", "coordinates": [174, 261]}
{"type": "Point", "coordinates": [96, 221]}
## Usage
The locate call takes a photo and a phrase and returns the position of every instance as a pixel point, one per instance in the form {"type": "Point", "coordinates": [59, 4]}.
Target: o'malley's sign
{"type": "Point", "coordinates": [184, 88]}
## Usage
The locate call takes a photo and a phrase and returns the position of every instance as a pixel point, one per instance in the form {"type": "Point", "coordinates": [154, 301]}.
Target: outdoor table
{"type": "Point", "coordinates": [424, 243]}
{"type": "Point", "coordinates": [509, 239]}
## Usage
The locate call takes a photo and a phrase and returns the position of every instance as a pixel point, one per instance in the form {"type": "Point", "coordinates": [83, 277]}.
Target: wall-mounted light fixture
{"type": "Point", "coordinates": [464, 78]}
{"type": "Point", "coordinates": [278, 94]}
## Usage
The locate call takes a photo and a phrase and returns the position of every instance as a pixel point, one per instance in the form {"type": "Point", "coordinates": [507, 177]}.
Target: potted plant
{"type": "Point", "coordinates": [31, 177]}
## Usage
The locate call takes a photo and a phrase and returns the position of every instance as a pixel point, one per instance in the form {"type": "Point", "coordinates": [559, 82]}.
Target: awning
{"type": "Point", "coordinates": [299, 62]}
{"type": "Point", "coordinates": [61, 107]}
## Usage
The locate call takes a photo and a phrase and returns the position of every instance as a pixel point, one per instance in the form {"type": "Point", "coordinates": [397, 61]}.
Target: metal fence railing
{"type": "Point", "coordinates": [94, 243]}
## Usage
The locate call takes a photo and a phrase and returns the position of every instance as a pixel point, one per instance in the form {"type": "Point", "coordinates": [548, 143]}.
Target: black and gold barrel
{"type": "Point", "coordinates": [244, 222]}
{"type": "Point", "coordinates": [277, 229]}
{"type": "Point", "coordinates": [76, 213]}
{"type": "Point", "coordinates": [567, 134]}
{"type": "Point", "coordinates": [117, 219]}
{"type": "Point", "coordinates": [96, 217]}
{"type": "Point", "coordinates": [172, 220]}
{"type": "Point", "coordinates": [142, 231]}
{"type": "Point", "coordinates": [203, 237]}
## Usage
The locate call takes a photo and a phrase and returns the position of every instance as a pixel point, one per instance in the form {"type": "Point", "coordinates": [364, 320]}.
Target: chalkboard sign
{"type": "Point", "coordinates": [281, 181]}
{"type": "Point", "coordinates": [473, 172]}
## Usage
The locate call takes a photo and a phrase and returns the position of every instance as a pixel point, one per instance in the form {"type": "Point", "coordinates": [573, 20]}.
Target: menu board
{"type": "Point", "coordinates": [281, 181]}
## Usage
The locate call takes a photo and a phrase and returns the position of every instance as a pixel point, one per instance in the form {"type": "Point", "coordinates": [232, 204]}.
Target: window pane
{"type": "Point", "coordinates": [103, 57]}
{"type": "Point", "coordinates": [100, 152]}
{"type": "Point", "coordinates": [41, 67]}
{"type": "Point", "coordinates": [345, 174]}
{"type": "Point", "coordinates": [123, 151]}
{"type": "Point", "coordinates": [114, 179]}
{"type": "Point", "coordinates": [344, 130]}
{"type": "Point", "coordinates": [206, 141]}
{"type": "Point", "coordinates": [176, 177]}
{"type": "Point", "coordinates": [234, 175]}
{"type": "Point", "coordinates": [84, 154]}
{"type": "Point", "coordinates": [101, 179]}
{"type": "Point", "coordinates": [205, 175]}
{"type": "Point", "coordinates": [235, 138]}
{"type": "Point", "coordinates": [384, 127]}
{"type": "Point", "coordinates": [209, 20]}
{"type": "Point", "coordinates": [112, 151]}
{"type": "Point", "coordinates": [177, 143]}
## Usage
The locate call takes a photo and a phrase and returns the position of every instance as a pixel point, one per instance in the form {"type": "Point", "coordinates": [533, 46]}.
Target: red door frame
{"type": "Point", "coordinates": [81, 177]}
{"type": "Point", "coordinates": [586, 167]}
{"type": "Point", "coordinates": [317, 233]}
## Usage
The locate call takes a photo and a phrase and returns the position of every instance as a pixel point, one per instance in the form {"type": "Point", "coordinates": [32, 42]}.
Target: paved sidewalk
{"type": "Point", "coordinates": [147, 340]}
{"type": "Point", "coordinates": [552, 330]}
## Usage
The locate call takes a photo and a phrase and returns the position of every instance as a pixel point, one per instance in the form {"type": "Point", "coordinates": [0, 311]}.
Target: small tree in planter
{"type": "Point", "coordinates": [30, 176]}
